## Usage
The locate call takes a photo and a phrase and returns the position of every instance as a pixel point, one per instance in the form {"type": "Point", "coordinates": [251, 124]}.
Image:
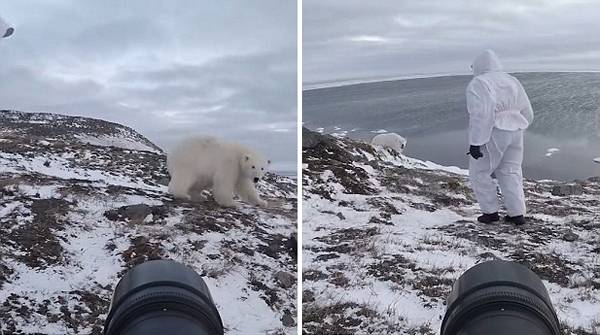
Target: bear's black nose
{"type": "Point", "coordinates": [256, 180]}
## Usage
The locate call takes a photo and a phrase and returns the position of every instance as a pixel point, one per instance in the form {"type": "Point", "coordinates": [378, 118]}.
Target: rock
{"type": "Point", "coordinates": [570, 236]}
{"type": "Point", "coordinates": [311, 139]}
{"type": "Point", "coordinates": [488, 255]}
{"type": "Point", "coordinates": [163, 181]}
{"type": "Point", "coordinates": [291, 246]}
{"type": "Point", "coordinates": [112, 215]}
{"type": "Point", "coordinates": [340, 216]}
{"type": "Point", "coordinates": [285, 280]}
{"type": "Point", "coordinates": [160, 211]}
{"type": "Point", "coordinates": [565, 190]}
{"type": "Point", "coordinates": [308, 296]}
{"type": "Point", "coordinates": [47, 163]}
{"type": "Point", "coordinates": [137, 212]}
{"type": "Point", "coordinates": [594, 179]}
{"type": "Point", "coordinates": [7, 192]}
{"type": "Point", "coordinates": [288, 320]}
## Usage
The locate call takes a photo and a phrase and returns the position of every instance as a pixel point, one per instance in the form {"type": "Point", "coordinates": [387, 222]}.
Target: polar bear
{"type": "Point", "coordinates": [227, 168]}
{"type": "Point", "coordinates": [390, 140]}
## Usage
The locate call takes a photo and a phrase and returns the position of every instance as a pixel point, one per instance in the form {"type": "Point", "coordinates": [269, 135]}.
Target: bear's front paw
{"type": "Point", "coordinates": [262, 203]}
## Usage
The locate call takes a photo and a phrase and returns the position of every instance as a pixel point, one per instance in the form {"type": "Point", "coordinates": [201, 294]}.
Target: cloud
{"type": "Point", "coordinates": [167, 69]}
{"type": "Point", "coordinates": [368, 39]}
{"type": "Point", "coordinates": [396, 38]}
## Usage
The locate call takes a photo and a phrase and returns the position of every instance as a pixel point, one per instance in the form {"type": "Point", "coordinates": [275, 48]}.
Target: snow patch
{"type": "Point", "coordinates": [117, 142]}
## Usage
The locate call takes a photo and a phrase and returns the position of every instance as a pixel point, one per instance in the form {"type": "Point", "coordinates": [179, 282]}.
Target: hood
{"type": "Point", "coordinates": [487, 61]}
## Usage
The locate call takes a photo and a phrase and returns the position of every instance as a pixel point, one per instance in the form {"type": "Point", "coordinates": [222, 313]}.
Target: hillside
{"type": "Point", "coordinates": [83, 200]}
{"type": "Point", "coordinates": [385, 236]}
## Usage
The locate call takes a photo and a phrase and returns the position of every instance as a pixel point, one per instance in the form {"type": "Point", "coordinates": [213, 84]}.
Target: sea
{"type": "Point", "coordinates": [560, 144]}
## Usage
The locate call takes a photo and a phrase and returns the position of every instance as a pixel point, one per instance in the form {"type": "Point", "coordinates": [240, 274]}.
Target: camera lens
{"type": "Point", "coordinates": [162, 297]}
{"type": "Point", "coordinates": [499, 298]}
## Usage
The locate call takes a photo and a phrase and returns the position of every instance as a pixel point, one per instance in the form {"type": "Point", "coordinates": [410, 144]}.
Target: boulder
{"type": "Point", "coordinates": [566, 190]}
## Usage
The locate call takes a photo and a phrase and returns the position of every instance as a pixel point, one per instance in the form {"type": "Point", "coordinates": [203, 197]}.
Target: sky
{"type": "Point", "coordinates": [168, 69]}
{"type": "Point", "coordinates": [355, 39]}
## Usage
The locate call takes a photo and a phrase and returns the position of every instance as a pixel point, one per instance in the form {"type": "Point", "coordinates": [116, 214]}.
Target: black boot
{"type": "Point", "coordinates": [489, 218]}
{"type": "Point", "coordinates": [517, 220]}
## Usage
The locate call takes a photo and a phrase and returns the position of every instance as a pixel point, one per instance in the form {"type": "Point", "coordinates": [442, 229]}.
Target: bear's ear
{"type": "Point", "coordinates": [247, 158]}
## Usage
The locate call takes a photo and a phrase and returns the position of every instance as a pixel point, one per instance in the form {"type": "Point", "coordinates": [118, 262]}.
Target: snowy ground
{"type": "Point", "coordinates": [75, 215]}
{"type": "Point", "coordinates": [385, 236]}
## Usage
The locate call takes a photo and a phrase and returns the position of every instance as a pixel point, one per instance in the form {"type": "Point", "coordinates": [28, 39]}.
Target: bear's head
{"type": "Point", "coordinates": [254, 167]}
{"type": "Point", "coordinates": [401, 142]}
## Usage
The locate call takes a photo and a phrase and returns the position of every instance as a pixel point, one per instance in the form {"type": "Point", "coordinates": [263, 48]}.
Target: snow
{"type": "Point", "coordinates": [88, 263]}
{"type": "Point", "coordinates": [425, 240]}
{"type": "Point", "coordinates": [117, 142]}
{"type": "Point", "coordinates": [226, 292]}
{"type": "Point", "coordinates": [551, 151]}
{"type": "Point", "coordinates": [7, 209]}
{"type": "Point", "coordinates": [342, 133]}
{"type": "Point", "coordinates": [84, 250]}
{"type": "Point", "coordinates": [62, 168]}
{"type": "Point", "coordinates": [428, 165]}
{"type": "Point", "coordinates": [148, 218]}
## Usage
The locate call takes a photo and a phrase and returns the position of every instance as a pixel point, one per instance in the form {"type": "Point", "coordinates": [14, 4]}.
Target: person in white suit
{"type": "Point", "coordinates": [499, 112]}
{"type": "Point", "coordinates": [5, 29]}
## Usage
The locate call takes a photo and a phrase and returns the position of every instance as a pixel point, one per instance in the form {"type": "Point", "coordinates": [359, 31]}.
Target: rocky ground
{"type": "Point", "coordinates": [385, 236]}
{"type": "Point", "coordinates": [83, 200]}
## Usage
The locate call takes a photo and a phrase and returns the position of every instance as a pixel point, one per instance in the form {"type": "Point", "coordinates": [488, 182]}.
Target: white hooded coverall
{"type": "Point", "coordinates": [499, 111]}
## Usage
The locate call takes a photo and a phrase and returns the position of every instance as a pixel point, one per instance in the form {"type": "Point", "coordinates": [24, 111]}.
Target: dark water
{"type": "Point", "coordinates": [287, 173]}
{"type": "Point", "coordinates": [431, 114]}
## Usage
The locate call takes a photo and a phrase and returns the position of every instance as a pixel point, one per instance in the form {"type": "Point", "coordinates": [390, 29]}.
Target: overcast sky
{"type": "Point", "coordinates": [356, 39]}
{"type": "Point", "coordinates": [166, 68]}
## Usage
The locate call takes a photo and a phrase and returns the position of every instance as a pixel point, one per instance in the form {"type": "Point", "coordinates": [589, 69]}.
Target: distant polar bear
{"type": "Point", "coordinates": [390, 140]}
{"type": "Point", "coordinates": [227, 168]}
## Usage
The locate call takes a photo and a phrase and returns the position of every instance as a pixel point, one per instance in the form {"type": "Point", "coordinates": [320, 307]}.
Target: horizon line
{"type": "Point", "coordinates": [357, 81]}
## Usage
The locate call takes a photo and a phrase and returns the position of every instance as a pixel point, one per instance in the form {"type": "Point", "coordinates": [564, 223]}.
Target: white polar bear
{"type": "Point", "coordinates": [390, 140]}
{"type": "Point", "coordinates": [209, 163]}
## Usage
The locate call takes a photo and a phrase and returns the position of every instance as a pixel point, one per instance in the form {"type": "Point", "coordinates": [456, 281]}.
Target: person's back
{"type": "Point", "coordinates": [499, 111]}
{"type": "Point", "coordinates": [496, 98]}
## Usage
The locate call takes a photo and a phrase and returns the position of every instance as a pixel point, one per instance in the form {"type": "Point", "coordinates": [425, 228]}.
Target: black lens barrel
{"type": "Point", "coordinates": [499, 298]}
{"type": "Point", "coordinates": [162, 297]}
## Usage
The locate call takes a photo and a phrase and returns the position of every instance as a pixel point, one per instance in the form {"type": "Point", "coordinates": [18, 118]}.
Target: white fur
{"type": "Point", "coordinates": [209, 163]}
{"type": "Point", "coordinates": [390, 140]}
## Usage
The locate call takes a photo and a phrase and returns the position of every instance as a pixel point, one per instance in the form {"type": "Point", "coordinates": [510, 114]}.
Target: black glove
{"type": "Point", "coordinates": [8, 32]}
{"type": "Point", "coordinates": [475, 151]}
